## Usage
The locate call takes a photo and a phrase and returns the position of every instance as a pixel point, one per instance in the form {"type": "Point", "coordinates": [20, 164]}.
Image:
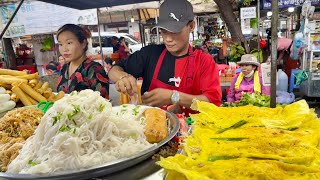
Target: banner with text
{"type": "Point", "coordinates": [288, 3]}
{"type": "Point", "coordinates": [35, 17]}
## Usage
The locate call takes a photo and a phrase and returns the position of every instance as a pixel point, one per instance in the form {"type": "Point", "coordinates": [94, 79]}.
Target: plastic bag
{"type": "Point", "coordinates": [301, 76]}
{"type": "Point", "coordinates": [284, 97]}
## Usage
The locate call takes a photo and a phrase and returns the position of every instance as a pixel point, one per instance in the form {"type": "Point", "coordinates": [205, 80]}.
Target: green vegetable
{"type": "Point", "coordinates": [136, 110]}
{"type": "Point", "coordinates": [72, 93]}
{"type": "Point", "coordinates": [74, 122]}
{"type": "Point", "coordinates": [101, 107]}
{"type": "Point", "coordinates": [64, 128]}
{"type": "Point", "coordinates": [254, 99]}
{"type": "Point", "coordinates": [74, 130]}
{"type": "Point", "coordinates": [228, 139]}
{"type": "Point", "coordinates": [76, 109]}
{"type": "Point", "coordinates": [56, 118]}
{"type": "Point", "coordinates": [69, 115]}
{"type": "Point", "coordinates": [216, 158]}
{"type": "Point", "coordinates": [32, 163]}
{"type": "Point", "coordinates": [133, 135]}
{"type": "Point", "coordinates": [236, 125]}
{"type": "Point", "coordinates": [90, 116]}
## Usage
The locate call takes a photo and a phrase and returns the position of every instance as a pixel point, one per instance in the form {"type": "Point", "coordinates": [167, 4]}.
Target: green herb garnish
{"type": "Point", "coordinates": [74, 122]}
{"type": "Point", "coordinates": [76, 109]}
{"type": "Point", "coordinates": [133, 135]}
{"type": "Point", "coordinates": [32, 163]}
{"type": "Point", "coordinates": [136, 110]}
{"type": "Point", "coordinates": [228, 139]}
{"type": "Point", "coordinates": [101, 107]}
{"type": "Point", "coordinates": [56, 118]}
{"type": "Point", "coordinates": [90, 116]}
{"type": "Point", "coordinates": [69, 115]}
{"type": "Point", "coordinates": [216, 158]}
{"type": "Point", "coordinates": [236, 125]}
{"type": "Point", "coordinates": [74, 131]}
{"type": "Point", "coordinates": [64, 128]}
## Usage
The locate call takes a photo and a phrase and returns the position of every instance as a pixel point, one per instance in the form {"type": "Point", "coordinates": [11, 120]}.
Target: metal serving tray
{"type": "Point", "coordinates": [108, 168]}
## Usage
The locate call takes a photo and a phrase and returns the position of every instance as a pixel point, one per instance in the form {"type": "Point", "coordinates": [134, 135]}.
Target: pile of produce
{"type": "Point", "coordinates": [249, 142]}
{"type": "Point", "coordinates": [254, 99]}
{"type": "Point", "coordinates": [25, 88]}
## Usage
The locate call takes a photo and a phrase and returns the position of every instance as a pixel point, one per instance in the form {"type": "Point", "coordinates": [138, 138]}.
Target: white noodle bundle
{"type": "Point", "coordinates": [79, 132]}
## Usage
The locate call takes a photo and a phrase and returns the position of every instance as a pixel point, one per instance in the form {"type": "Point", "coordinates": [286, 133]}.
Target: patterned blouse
{"type": "Point", "coordinates": [89, 75]}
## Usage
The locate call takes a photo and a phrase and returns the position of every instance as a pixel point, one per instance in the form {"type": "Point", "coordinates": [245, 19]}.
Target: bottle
{"type": "Point", "coordinates": [282, 81]}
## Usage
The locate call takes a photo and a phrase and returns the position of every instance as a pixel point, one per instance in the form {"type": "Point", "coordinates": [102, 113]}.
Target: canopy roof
{"type": "Point", "coordinates": [90, 4]}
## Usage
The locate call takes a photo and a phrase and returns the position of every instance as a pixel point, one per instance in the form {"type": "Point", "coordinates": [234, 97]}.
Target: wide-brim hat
{"type": "Point", "coordinates": [174, 15]}
{"type": "Point", "coordinates": [249, 59]}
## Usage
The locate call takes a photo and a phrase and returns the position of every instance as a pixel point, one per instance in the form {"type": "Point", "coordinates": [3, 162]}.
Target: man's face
{"type": "Point", "coordinates": [178, 43]}
{"type": "Point", "coordinates": [114, 41]}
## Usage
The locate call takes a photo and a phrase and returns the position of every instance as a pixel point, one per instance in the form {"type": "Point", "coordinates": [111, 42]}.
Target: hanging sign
{"type": "Point", "coordinates": [36, 17]}
{"type": "Point", "coordinates": [248, 12]}
{"type": "Point", "coordinates": [288, 3]}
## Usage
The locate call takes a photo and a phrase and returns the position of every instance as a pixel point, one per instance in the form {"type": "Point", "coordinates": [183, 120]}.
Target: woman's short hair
{"type": "Point", "coordinates": [81, 33]}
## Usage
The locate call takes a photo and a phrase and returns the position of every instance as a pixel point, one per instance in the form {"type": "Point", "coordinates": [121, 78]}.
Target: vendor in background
{"type": "Point", "coordinates": [52, 68]}
{"type": "Point", "coordinates": [62, 61]}
{"type": "Point", "coordinates": [173, 73]}
{"type": "Point", "coordinates": [205, 43]}
{"type": "Point", "coordinates": [115, 44]}
{"type": "Point", "coordinates": [79, 72]}
{"type": "Point", "coordinates": [248, 80]}
{"type": "Point", "coordinates": [123, 48]}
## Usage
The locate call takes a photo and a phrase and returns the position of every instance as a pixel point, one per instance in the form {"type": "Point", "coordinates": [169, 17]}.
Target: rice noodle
{"type": "Point", "coordinates": [86, 134]}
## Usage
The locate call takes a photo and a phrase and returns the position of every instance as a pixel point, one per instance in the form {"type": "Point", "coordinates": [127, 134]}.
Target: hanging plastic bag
{"type": "Point", "coordinates": [301, 76]}
{"type": "Point", "coordinates": [263, 43]}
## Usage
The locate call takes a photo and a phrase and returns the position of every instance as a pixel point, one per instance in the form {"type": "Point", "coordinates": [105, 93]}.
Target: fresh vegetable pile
{"type": "Point", "coordinates": [249, 142]}
{"type": "Point", "coordinates": [254, 99]}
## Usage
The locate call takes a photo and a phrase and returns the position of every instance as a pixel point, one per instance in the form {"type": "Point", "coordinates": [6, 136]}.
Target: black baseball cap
{"type": "Point", "coordinates": [174, 15]}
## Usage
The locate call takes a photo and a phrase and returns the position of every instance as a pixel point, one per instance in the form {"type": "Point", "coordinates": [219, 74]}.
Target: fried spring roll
{"type": "Point", "coordinates": [43, 88]}
{"type": "Point", "coordinates": [29, 76]}
{"type": "Point", "coordinates": [12, 72]}
{"type": "Point", "coordinates": [34, 102]}
{"type": "Point", "coordinates": [59, 96]}
{"type": "Point", "coordinates": [38, 86]}
{"type": "Point", "coordinates": [47, 93]}
{"type": "Point", "coordinates": [22, 96]}
{"type": "Point", "coordinates": [12, 79]}
{"type": "Point", "coordinates": [32, 93]}
{"type": "Point", "coordinates": [156, 125]}
{"type": "Point", "coordinates": [33, 83]}
{"type": "Point", "coordinates": [51, 98]}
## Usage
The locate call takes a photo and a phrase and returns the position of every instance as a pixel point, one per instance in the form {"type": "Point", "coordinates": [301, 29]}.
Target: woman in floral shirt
{"type": "Point", "coordinates": [79, 72]}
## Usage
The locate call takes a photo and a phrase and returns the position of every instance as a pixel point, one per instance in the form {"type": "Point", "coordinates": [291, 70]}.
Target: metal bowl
{"type": "Point", "coordinates": [107, 168]}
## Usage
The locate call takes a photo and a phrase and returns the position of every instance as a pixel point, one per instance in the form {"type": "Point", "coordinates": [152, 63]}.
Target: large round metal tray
{"type": "Point", "coordinates": [108, 168]}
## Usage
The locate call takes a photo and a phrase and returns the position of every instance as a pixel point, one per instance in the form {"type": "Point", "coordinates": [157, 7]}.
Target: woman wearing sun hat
{"type": "Point", "coordinates": [248, 80]}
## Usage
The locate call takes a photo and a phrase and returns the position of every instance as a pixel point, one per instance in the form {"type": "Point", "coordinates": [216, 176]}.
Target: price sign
{"type": "Point", "coordinates": [266, 74]}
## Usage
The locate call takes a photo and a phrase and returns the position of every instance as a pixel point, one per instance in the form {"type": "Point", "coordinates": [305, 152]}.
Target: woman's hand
{"type": "Point", "coordinates": [157, 97]}
{"type": "Point", "coordinates": [127, 85]}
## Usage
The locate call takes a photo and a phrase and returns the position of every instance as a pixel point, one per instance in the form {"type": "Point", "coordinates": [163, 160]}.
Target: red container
{"type": "Point", "coordinates": [31, 68]}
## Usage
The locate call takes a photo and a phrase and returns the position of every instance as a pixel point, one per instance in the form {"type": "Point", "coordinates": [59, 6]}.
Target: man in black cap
{"type": "Point", "coordinates": [172, 72]}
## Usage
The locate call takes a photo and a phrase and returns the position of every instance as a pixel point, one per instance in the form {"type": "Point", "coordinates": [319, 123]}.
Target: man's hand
{"type": "Point", "coordinates": [157, 97]}
{"type": "Point", "coordinates": [127, 85]}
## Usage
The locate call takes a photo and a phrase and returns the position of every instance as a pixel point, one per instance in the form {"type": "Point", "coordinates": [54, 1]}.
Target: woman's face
{"type": "Point", "coordinates": [61, 60]}
{"type": "Point", "coordinates": [178, 43]}
{"type": "Point", "coordinates": [70, 47]}
{"type": "Point", "coordinates": [247, 68]}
